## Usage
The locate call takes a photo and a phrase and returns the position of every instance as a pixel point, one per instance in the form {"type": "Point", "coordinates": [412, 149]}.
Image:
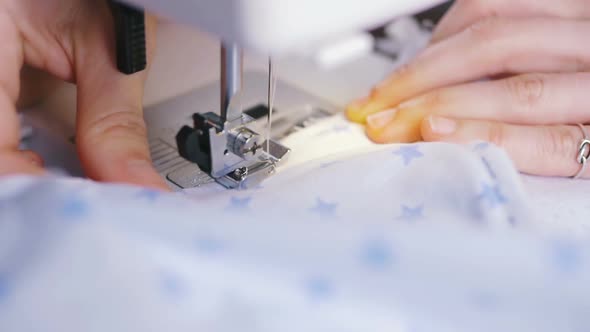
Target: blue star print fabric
{"type": "Point", "coordinates": [426, 237]}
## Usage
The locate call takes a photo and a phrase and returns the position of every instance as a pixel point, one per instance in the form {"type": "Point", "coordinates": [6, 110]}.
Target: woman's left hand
{"type": "Point", "coordinates": [538, 56]}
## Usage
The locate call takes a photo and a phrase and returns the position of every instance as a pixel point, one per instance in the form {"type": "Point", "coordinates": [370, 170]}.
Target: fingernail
{"type": "Point", "coordinates": [381, 119]}
{"type": "Point", "coordinates": [442, 126]}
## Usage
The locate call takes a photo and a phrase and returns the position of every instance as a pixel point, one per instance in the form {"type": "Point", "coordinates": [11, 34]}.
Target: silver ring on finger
{"type": "Point", "coordinates": [583, 157]}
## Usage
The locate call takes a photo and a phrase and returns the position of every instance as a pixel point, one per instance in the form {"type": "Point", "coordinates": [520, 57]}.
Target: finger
{"type": "Point", "coordinates": [11, 160]}
{"type": "Point", "coordinates": [33, 158]}
{"type": "Point", "coordinates": [35, 86]}
{"type": "Point", "coordinates": [537, 150]}
{"type": "Point", "coordinates": [11, 54]}
{"type": "Point", "coordinates": [111, 132]}
{"type": "Point", "coordinates": [15, 162]}
{"type": "Point", "coordinates": [397, 125]}
{"type": "Point", "coordinates": [525, 99]}
{"type": "Point", "coordinates": [467, 12]}
{"type": "Point", "coordinates": [493, 47]}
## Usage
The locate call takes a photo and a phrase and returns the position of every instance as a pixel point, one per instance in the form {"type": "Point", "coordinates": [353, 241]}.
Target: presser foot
{"type": "Point", "coordinates": [252, 175]}
{"type": "Point", "coordinates": [231, 152]}
{"type": "Point", "coordinates": [294, 110]}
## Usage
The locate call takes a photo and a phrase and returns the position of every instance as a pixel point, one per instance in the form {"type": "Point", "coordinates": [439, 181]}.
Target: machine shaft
{"type": "Point", "coordinates": [231, 81]}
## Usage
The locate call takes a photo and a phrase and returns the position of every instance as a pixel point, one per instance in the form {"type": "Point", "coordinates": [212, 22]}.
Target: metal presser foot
{"type": "Point", "coordinates": [228, 146]}
{"type": "Point", "coordinates": [196, 155]}
{"type": "Point", "coordinates": [294, 110]}
{"type": "Point", "coordinates": [231, 152]}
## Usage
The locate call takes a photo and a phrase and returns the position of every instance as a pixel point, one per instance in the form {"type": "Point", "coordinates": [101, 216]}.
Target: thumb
{"type": "Point", "coordinates": [111, 132]}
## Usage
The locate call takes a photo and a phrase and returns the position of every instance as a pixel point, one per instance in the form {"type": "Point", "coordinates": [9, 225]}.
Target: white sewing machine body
{"type": "Point", "coordinates": [278, 26]}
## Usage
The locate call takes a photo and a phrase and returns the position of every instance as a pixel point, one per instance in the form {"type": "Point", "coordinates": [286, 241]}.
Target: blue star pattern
{"type": "Point", "coordinates": [411, 213]}
{"type": "Point", "coordinates": [74, 208]}
{"type": "Point", "coordinates": [149, 195]}
{"type": "Point", "coordinates": [481, 146]}
{"type": "Point", "coordinates": [566, 257]}
{"type": "Point", "coordinates": [208, 245]}
{"type": "Point", "coordinates": [172, 285]}
{"type": "Point", "coordinates": [489, 168]}
{"type": "Point", "coordinates": [492, 196]}
{"type": "Point", "coordinates": [239, 204]}
{"type": "Point", "coordinates": [324, 209]}
{"type": "Point", "coordinates": [377, 255]}
{"type": "Point", "coordinates": [319, 288]}
{"type": "Point", "coordinates": [223, 276]}
{"type": "Point", "coordinates": [408, 153]}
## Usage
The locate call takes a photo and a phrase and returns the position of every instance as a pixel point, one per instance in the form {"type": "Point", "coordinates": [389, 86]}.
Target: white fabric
{"type": "Point", "coordinates": [426, 237]}
{"type": "Point", "coordinates": [556, 204]}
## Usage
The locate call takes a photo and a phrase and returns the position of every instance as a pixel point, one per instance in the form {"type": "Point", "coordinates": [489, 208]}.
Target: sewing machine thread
{"type": "Point", "coordinates": [272, 85]}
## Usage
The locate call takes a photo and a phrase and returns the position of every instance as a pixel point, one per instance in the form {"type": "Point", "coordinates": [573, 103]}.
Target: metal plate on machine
{"type": "Point", "coordinates": [189, 176]}
{"type": "Point", "coordinates": [294, 109]}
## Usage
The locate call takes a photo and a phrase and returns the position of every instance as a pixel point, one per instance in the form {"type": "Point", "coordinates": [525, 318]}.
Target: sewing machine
{"type": "Point", "coordinates": [227, 142]}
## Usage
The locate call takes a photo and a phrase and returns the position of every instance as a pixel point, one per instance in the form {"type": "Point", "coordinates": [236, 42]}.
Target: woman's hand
{"type": "Point", "coordinates": [512, 72]}
{"type": "Point", "coordinates": [74, 41]}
